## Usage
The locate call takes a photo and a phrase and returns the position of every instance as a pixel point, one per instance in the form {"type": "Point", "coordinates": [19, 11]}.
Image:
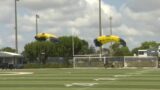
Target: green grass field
{"type": "Point", "coordinates": [80, 79]}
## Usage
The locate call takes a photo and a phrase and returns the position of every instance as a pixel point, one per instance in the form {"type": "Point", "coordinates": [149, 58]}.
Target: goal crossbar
{"type": "Point", "coordinates": [127, 61]}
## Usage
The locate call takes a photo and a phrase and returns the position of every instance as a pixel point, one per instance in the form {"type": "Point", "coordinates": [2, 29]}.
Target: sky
{"type": "Point", "coordinates": [135, 21]}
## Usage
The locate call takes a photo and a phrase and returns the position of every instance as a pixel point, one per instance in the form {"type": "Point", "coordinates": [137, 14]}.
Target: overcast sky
{"type": "Point", "coordinates": [135, 21]}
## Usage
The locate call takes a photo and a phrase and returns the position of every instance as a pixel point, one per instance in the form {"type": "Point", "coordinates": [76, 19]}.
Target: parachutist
{"type": "Point", "coordinates": [108, 38]}
{"type": "Point", "coordinates": [46, 36]}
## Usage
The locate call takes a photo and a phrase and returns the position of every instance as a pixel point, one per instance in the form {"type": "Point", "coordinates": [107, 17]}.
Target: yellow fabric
{"type": "Point", "coordinates": [45, 35]}
{"type": "Point", "coordinates": [110, 38]}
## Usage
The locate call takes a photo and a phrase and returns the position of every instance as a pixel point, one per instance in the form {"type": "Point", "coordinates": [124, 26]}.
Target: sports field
{"type": "Point", "coordinates": [80, 79]}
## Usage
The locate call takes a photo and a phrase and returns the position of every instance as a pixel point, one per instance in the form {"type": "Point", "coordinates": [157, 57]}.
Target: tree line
{"type": "Point", "coordinates": [37, 50]}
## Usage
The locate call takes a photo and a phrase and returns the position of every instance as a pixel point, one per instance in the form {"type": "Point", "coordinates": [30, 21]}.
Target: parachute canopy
{"type": "Point", "coordinates": [46, 36]}
{"type": "Point", "coordinates": [104, 39]}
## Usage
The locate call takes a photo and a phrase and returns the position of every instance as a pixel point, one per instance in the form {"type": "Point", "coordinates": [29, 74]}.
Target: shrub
{"type": "Point", "coordinates": [46, 66]}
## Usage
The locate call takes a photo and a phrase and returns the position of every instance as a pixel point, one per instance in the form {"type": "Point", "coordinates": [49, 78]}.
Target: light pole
{"type": "Point", "coordinates": [72, 44]}
{"type": "Point", "coordinates": [100, 18]}
{"type": "Point", "coordinates": [16, 35]}
{"type": "Point", "coordinates": [38, 58]}
{"type": "Point", "coordinates": [100, 25]}
{"type": "Point", "coordinates": [37, 16]}
{"type": "Point", "coordinates": [110, 21]}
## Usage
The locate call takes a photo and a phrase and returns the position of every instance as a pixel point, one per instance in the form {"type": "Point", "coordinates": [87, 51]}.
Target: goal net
{"type": "Point", "coordinates": [148, 61]}
{"type": "Point", "coordinates": [90, 61]}
{"type": "Point", "coordinates": [114, 62]}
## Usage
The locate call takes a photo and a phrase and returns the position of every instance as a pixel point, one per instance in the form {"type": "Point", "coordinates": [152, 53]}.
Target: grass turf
{"type": "Point", "coordinates": [81, 79]}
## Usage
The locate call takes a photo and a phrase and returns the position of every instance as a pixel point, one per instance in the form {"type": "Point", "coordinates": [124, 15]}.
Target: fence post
{"type": "Point", "coordinates": [124, 62]}
{"type": "Point", "coordinates": [74, 62]}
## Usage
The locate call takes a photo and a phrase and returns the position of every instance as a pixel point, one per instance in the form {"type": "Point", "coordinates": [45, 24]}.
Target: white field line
{"type": "Point", "coordinates": [81, 84]}
{"type": "Point", "coordinates": [132, 74]}
{"type": "Point", "coordinates": [118, 76]}
{"type": "Point", "coordinates": [105, 79]}
{"type": "Point", "coordinates": [115, 77]}
{"type": "Point", "coordinates": [122, 75]}
{"type": "Point", "coordinates": [15, 73]}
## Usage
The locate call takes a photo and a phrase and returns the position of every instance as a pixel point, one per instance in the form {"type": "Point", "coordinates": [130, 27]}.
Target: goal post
{"type": "Point", "coordinates": [136, 61]}
{"type": "Point", "coordinates": [88, 62]}
{"type": "Point", "coordinates": [115, 62]}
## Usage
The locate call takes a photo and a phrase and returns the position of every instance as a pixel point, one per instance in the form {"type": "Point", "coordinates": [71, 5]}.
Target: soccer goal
{"type": "Point", "coordinates": [132, 61]}
{"type": "Point", "coordinates": [115, 62]}
{"type": "Point", "coordinates": [88, 62]}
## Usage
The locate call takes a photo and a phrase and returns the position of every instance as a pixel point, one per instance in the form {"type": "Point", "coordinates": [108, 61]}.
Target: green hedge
{"type": "Point", "coordinates": [47, 66]}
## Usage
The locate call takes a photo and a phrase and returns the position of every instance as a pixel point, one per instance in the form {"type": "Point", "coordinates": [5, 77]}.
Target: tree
{"type": "Point", "coordinates": [35, 51]}
{"type": "Point", "coordinates": [135, 50]}
{"type": "Point", "coordinates": [91, 50]}
{"type": "Point", "coordinates": [123, 51]}
{"type": "Point", "coordinates": [149, 44]}
{"type": "Point", "coordinates": [145, 45]}
{"type": "Point", "coordinates": [118, 50]}
{"type": "Point", "coordinates": [8, 49]}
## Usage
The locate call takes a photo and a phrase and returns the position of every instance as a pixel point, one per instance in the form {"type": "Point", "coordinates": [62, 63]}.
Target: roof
{"type": "Point", "coordinates": [142, 50]}
{"type": "Point", "coordinates": [9, 54]}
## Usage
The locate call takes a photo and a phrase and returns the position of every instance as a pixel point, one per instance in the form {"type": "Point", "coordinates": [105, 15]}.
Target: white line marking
{"type": "Point", "coordinates": [132, 74]}
{"type": "Point", "coordinates": [105, 79]}
{"type": "Point", "coordinates": [15, 73]}
{"type": "Point", "coordinates": [122, 75]}
{"type": "Point", "coordinates": [81, 84]}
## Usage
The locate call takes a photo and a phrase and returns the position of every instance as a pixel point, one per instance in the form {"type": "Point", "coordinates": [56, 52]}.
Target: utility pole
{"type": "Point", "coordinates": [16, 34]}
{"type": "Point", "coordinates": [37, 16]}
{"type": "Point", "coordinates": [73, 43]}
{"type": "Point", "coordinates": [100, 18]}
{"type": "Point", "coordinates": [38, 57]}
{"type": "Point", "coordinates": [100, 25]}
{"type": "Point", "coordinates": [110, 20]}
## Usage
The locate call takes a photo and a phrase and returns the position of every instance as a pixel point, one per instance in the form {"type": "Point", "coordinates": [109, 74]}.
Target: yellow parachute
{"type": "Point", "coordinates": [46, 36]}
{"type": "Point", "coordinates": [108, 38]}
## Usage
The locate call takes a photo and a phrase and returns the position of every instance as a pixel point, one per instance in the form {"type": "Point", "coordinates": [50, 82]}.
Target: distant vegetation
{"type": "Point", "coordinates": [42, 50]}
{"type": "Point", "coordinates": [8, 49]}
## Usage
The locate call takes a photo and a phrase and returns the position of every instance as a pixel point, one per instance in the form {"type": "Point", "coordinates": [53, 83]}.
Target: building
{"type": "Point", "coordinates": [150, 52]}
{"type": "Point", "coordinates": [142, 53]}
{"type": "Point", "coordinates": [11, 58]}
